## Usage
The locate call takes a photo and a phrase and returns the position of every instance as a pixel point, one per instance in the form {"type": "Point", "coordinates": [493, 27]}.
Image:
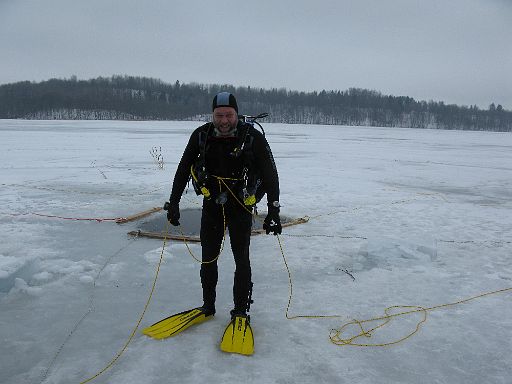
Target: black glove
{"type": "Point", "coordinates": [272, 222]}
{"type": "Point", "coordinates": [173, 213]}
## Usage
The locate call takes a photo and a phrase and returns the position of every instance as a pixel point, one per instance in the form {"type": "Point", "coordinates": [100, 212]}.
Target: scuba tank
{"type": "Point", "coordinates": [252, 191]}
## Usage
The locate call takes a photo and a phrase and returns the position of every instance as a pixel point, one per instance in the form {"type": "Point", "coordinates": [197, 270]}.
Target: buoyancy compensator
{"type": "Point", "coordinates": [252, 188]}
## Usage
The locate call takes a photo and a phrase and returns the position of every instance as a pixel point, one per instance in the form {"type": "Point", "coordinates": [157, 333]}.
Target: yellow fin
{"type": "Point", "coordinates": [238, 337]}
{"type": "Point", "coordinates": [175, 324]}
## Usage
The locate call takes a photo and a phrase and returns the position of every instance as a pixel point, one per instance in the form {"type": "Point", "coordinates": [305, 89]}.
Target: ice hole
{"type": "Point", "coordinates": [156, 225]}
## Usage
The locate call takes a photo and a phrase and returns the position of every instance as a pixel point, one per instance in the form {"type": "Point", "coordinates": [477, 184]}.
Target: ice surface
{"type": "Point", "coordinates": [398, 217]}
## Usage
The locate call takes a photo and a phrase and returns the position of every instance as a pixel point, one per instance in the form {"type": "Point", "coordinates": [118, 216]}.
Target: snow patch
{"type": "Point", "coordinates": [9, 265]}
{"type": "Point", "coordinates": [153, 256]}
{"type": "Point", "coordinates": [21, 286]}
{"type": "Point", "coordinates": [86, 279]}
{"type": "Point", "coordinates": [43, 277]}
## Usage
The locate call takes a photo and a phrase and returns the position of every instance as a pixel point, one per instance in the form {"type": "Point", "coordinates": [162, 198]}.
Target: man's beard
{"type": "Point", "coordinates": [227, 129]}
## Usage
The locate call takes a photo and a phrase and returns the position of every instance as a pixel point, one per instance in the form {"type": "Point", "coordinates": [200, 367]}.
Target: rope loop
{"type": "Point", "coordinates": [223, 239]}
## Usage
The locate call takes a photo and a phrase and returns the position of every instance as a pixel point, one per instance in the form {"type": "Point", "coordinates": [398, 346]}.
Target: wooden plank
{"type": "Point", "coordinates": [137, 216]}
{"type": "Point", "coordinates": [163, 235]}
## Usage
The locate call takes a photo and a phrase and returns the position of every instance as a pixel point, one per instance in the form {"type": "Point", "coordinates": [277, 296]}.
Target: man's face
{"type": "Point", "coordinates": [225, 119]}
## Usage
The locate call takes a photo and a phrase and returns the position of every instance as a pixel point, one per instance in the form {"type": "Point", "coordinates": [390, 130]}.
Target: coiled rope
{"type": "Point", "coordinates": [335, 335]}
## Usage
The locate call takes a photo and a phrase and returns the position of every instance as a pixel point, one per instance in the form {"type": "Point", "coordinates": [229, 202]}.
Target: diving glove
{"type": "Point", "coordinates": [272, 222]}
{"type": "Point", "coordinates": [173, 213]}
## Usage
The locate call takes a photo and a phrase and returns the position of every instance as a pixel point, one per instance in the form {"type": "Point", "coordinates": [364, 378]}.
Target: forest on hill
{"type": "Point", "coordinates": [142, 98]}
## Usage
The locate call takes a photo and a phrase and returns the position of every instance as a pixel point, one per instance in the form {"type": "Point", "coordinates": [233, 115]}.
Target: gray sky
{"type": "Point", "coordinates": [457, 51]}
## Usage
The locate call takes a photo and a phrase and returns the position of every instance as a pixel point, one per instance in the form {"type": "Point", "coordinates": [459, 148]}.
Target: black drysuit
{"type": "Point", "coordinates": [220, 161]}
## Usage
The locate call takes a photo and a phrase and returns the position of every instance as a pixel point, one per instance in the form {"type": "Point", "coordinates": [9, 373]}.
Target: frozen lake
{"type": "Point", "coordinates": [397, 217]}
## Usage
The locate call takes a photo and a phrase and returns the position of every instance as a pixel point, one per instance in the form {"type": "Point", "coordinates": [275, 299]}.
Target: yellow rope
{"type": "Point", "coordinates": [223, 240]}
{"type": "Point", "coordinates": [125, 346]}
{"type": "Point", "coordinates": [335, 335]}
{"type": "Point", "coordinates": [290, 283]}
{"type": "Point", "coordinates": [222, 179]}
{"type": "Point", "coordinates": [336, 338]}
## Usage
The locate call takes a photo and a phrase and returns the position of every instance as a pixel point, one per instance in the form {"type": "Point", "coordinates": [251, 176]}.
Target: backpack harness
{"type": "Point", "coordinates": [251, 190]}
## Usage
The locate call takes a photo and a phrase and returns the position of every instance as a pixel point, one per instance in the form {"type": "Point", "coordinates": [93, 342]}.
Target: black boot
{"type": "Point", "coordinates": [208, 310]}
{"type": "Point", "coordinates": [238, 313]}
{"type": "Point", "coordinates": [209, 296]}
{"type": "Point", "coordinates": [243, 303]}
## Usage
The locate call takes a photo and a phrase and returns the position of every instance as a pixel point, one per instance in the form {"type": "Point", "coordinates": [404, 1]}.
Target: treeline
{"type": "Point", "coordinates": [140, 98]}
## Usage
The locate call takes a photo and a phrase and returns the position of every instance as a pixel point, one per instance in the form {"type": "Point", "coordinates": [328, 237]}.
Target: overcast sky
{"type": "Point", "coordinates": [457, 51]}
